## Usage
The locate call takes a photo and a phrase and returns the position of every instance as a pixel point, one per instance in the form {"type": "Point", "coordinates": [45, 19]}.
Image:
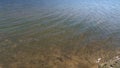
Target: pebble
{"type": "Point", "coordinates": [113, 63]}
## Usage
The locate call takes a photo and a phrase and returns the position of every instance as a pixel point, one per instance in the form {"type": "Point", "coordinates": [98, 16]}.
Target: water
{"type": "Point", "coordinates": [29, 25]}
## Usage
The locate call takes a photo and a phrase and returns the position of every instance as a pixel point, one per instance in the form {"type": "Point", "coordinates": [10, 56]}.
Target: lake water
{"type": "Point", "coordinates": [28, 25]}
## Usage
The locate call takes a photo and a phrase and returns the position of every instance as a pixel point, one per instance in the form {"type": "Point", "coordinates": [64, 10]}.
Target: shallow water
{"type": "Point", "coordinates": [30, 25]}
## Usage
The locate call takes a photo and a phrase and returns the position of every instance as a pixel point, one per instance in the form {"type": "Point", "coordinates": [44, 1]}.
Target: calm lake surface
{"type": "Point", "coordinates": [28, 25]}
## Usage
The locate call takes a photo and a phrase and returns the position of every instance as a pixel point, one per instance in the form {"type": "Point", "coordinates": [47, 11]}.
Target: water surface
{"type": "Point", "coordinates": [28, 25]}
